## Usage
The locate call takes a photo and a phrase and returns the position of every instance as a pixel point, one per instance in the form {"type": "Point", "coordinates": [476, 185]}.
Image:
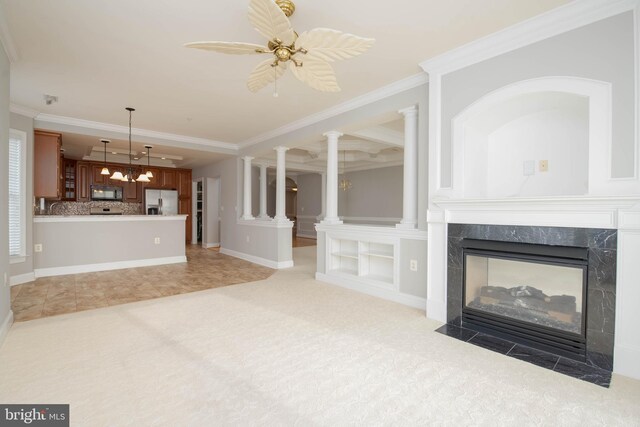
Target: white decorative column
{"type": "Point", "coordinates": [263, 192]}
{"type": "Point", "coordinates": [331, 214]}
{"type": "Point", "coordinates": [323, 195]}
{"type": "Point", "coordinates": [246, 196]}
{"type": "Point", "coordinates": [281, 185]}
{"type": "Point", "coordinates": [410, 183]}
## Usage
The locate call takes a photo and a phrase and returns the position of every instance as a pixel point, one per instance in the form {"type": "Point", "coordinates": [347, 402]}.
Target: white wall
{"type": "Point", "coordinates": [5, 299]}
{"type": "Point", "coordinates": [558, 136]}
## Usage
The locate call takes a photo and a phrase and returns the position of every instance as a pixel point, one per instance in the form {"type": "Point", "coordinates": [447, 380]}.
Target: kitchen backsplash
{"type": "Point", "coordinates": [83, 208]}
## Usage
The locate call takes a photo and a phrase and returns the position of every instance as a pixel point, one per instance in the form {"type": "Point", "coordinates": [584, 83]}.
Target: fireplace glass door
{"type": "Point", "coordinates": [547, 294]}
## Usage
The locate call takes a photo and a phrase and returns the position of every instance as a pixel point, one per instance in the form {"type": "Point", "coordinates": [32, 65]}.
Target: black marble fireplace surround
{"type": "Point", "coordinates": [601, 288]}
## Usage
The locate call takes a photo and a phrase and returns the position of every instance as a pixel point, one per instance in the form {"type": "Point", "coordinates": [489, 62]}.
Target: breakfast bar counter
{"type": "Point", "coordinates": [85, 243]}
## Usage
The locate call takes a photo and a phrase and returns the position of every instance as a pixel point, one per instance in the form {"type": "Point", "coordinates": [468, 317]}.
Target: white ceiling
{"type": "Point", "coordinates": [100, 56]}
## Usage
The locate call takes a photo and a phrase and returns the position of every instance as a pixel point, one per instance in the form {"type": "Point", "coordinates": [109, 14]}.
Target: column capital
{"type": "Point", "coordinates": [333, 134]}
{"type": "Point", "coordinates": [409, 110]}
{"type": "Point", "coordinates": [281, 148]}
{"type": "Point", "coordinates": [247, 158]}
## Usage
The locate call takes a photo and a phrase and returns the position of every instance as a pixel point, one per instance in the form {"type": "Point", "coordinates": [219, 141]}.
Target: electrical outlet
{"type": "Point", "coordinates": [156, 240]}
{"type": "Point", "coordinates": [37, 247]}
{"type": "Point", "coordinates": [544, 166]}
{"type": "Point", "coordinates": [413, 265]}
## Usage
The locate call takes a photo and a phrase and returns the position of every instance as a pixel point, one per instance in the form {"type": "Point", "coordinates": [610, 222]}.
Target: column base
{"type": "Point", "coordinates": [331, 221]}
{"type": "Point", "coordinates": [281, 220]}
{"type": "Point", "coordinates": [264, 217]}
{"type": "Point", "coordinates": [409, 225]}
{"type": "Point", "coordinates": [247, 217]}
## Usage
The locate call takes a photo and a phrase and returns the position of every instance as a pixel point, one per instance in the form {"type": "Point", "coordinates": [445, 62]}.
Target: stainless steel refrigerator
{"type": "Point", "coordinates": [161, 202]}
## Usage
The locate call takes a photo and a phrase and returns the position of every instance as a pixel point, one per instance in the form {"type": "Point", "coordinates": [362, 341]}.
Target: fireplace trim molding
{"type": "Point", "coordinates": [619, 212]}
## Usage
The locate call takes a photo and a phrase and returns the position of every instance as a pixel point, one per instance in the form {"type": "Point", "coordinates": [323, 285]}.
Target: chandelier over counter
{"type": "Point", "coordinates": [105, 169]}
{"type": "Point", "coordinates": [130, 170]}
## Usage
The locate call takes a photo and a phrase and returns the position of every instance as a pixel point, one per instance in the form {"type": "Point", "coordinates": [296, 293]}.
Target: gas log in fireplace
{"type": "Point", "coordinates": [527, 293]}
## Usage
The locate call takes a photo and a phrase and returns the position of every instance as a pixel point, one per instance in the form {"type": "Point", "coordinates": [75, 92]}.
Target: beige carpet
{"type": "Point", "coordinates": [286, 351]}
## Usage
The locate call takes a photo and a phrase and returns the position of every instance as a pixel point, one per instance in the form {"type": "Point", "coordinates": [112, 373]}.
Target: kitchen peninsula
{"type": "Point", "coordinates": [86, 243]}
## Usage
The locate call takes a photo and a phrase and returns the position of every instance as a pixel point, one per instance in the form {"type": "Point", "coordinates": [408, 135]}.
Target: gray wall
{"type": "Point", "coordinates": [602, 51]}
{"type": "Point", "coordinates": [309, 203]}
{"type": "Point", "coordinates": [257, 241]}
{"type": "Point", "coordinates": [5, 302]}
{"type": "Point", "coordinates": [79, 243]}
{"type": "Point", "coordinates": [25, 124]}
{"type": "Point", "coordinates": [376, 193]}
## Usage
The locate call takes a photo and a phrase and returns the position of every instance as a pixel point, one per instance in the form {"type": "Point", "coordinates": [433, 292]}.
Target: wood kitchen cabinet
{"type": "Point", "coordinates": [184, 183]}
{"type": "Point", "coordinates": [169, 179]}
{"type": "Point", "coordinates": [83, 182]}
{"type": "Point", "coordinates": [69, 180]}
{"type": "Point", "coordinates": [47, 165]}
{"type": "Point", "coordinates": [184, 208]}
{"type": "Point", "coordinates": [132, 192]}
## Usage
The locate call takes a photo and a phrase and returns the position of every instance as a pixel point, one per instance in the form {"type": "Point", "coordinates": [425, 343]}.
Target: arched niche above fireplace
{"type": "Point", "coordinates": [502, 141]}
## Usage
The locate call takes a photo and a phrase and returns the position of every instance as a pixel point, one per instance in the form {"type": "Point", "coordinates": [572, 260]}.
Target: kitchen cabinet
{"type": "Point", "coordinates": [83, 182]}
{"type": "Point", "coordinates": [169, 179]}
{"type": "Point", "coordinates": [184, 183]}
{"type": "Point", "coordinates": [47, 165]}
{"type": "Point", "coordinates": [96, 175]}
{"type": "Point", "coordinates": [132, 192]}
{"type": "Point", "coordinates": [184, 208]}
{"type": "Point", "coordinates": [69, 180]}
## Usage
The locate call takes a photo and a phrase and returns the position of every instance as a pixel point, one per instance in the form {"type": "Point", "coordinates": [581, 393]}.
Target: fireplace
{"type": "Point", "coordinates": [550, 288]}
{"type": "Point", "coordinates": [528, 293]}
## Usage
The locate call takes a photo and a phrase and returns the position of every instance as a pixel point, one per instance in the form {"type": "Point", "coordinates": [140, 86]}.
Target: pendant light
{"type": "Point", "coordinates": [345, 184]}
{"type": "Point", "coordinates": [149, 173]}
{"type": "Point", "coordinates": [105, 169]}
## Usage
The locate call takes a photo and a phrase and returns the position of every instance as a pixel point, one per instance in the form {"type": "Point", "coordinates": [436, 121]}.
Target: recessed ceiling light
{"type": "Point", "coordinates": [114, 152]}
{"type": "Point", "coordinates": [143, 152]}
{"type": "Point", "coordinates": [164, 158]}
{"type": "Point", "coordinates": [135, 158]}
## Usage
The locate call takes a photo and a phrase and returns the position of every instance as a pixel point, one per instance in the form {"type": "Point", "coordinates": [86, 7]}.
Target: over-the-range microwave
{"type": "Point", "coordinates": [106, 192]}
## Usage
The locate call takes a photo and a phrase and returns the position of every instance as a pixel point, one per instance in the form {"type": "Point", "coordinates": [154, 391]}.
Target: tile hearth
{"type": "Point", "coordinates": [559, 364]}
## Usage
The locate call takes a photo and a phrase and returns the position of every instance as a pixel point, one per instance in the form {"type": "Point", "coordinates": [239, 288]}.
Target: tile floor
{"type": "Point", "coordinates": [299, 242]}
{"type": "Point", "coordinates": [205, 269]}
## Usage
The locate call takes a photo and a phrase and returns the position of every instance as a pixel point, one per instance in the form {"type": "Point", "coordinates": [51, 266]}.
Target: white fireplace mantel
{"type": "Point", "coordinates": [619, 212]}
{"type": "Point", "coordinates": [615, 212]}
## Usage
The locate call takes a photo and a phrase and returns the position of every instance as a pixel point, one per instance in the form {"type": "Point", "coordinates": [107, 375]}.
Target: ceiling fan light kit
{"type": "Point", "coordinates": [308, 56]}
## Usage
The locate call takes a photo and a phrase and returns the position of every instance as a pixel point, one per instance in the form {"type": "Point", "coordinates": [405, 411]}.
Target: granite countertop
{"type": "Point", "coordinates": [106, 218]}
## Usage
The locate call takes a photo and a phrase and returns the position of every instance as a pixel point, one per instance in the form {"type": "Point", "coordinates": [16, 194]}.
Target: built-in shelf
{"type": "Point", "coordinates": [373, 262]}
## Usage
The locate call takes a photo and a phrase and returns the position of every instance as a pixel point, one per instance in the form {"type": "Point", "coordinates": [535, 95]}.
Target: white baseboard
{"type": "Point", "coordinates": [388, 294]}
{"type": "Point", "coordinates": [211, 245]}
{"type": "Point", "coordinates": [6, 325]}
{"type": "Point", "coordinates": [90, 268]}
{"type": "Point", "coordinates": [307, 236]}
{"type": "Point", "coordinates": [258, 260]}
{"type": "Point", "coordinates": [625, 361]}
{"type": "Point", "coordinates": [22, 278]}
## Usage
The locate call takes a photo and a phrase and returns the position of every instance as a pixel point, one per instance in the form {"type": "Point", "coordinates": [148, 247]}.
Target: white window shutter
{"type": "Point", "coordinates": [16, 196]}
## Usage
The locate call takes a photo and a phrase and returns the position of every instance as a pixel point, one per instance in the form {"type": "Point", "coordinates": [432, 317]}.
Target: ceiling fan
{"type": "Point", "coordinates": [307, 55]}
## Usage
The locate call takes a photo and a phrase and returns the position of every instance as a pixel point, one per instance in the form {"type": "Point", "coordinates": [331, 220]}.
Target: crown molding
{"type": "Point", "coordinates": [23, 111]}
{"type": "Point", "coordinates": [552, 23]}
{"type": "Point", "coordinates": [70, 121]}
{"type": "Point", "coordinates": [360, 101]}
{"type": "Point", "coordinates": [5, 38]}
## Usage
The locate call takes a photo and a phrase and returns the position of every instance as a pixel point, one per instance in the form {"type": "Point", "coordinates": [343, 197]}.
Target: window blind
{"type": "Point", "coordinates": [16, 205]}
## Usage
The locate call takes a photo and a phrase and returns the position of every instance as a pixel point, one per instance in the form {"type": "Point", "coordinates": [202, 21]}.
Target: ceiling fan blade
{"type": "Point", "coordinates": [233, 48]}
{"type": "Point", "coordinates": [330, 45]}
{"type": "Point", "coordinates": [317, 73]}
{"type": "Point", "coordinates": [270, 21]}
{"type": "Point", "coordinates": [264, 74]}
